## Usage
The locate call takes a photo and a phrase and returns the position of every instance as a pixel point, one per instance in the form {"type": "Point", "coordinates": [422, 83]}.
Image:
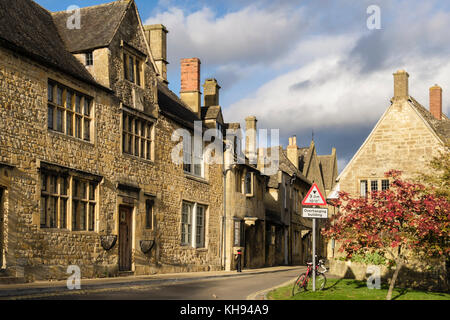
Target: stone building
{"type": "Point", "coordinates": [406, 138]}
{"type": "Point", "coordinates": [87, 176]}
{"type": "Point", "coordinates": [99, 161]}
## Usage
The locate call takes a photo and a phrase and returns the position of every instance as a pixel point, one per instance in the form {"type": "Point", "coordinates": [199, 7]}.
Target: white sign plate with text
{"type": "Point", "coordinates": [317, 213]}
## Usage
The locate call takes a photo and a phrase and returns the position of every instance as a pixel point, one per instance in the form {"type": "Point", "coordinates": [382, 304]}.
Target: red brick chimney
{"type": "Point", "coordinates": [190, 84]}
{"type": "Point", "coordinates": [436, 102]}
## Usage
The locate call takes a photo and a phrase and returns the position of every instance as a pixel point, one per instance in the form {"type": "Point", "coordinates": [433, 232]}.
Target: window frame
{"type": "Point", "coordinates": [193, 234]}
{"type": "Point", "coordinates": [140, 136]}
{"type": "Point", "coordinates": [149, 214]}
{"type": "Point", "coordinates": [63, 193]}
{"type": "Point", "coordinates": [75, 112]}
{"type": "Point", "coordinates": [89, 58]}
{"type": "Point", "coordinates": [366, 190]}
{"type": "Point", "coordinates": [132, 70]}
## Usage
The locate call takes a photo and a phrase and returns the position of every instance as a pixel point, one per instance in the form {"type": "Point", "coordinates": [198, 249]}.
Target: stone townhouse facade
{"type": "Point", "coordinates": [86, 149]}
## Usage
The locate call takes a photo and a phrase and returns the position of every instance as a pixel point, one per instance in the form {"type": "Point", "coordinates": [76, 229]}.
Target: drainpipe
{"type": "Point", "coordinates": [224, 218]}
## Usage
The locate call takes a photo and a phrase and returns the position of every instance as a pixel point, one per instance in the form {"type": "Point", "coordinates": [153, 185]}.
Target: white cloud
{"type": "Point", "coordinates": [251, 35]}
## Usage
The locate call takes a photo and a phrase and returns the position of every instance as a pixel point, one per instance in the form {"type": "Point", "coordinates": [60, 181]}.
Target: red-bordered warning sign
{"type": "Point", "coordinates": [314, 197]}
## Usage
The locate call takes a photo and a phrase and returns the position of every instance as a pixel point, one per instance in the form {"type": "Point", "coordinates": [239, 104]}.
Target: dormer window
{"type": "Point", "coordinates": [89, 58]}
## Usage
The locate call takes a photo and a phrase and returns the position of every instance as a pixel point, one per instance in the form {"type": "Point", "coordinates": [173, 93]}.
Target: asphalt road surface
{"type": "Point", "coordinates": [231, 288]}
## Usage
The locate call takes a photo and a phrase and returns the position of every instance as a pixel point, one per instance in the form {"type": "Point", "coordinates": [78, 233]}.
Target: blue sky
{"type": "Point", "coordinates": [305, 65]}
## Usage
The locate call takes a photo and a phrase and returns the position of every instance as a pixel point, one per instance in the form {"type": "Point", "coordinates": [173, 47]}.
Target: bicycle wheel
{"type": "Point", "coordinates": [321, 280]}
{"type": "Point", "coordinates": [300, 283]}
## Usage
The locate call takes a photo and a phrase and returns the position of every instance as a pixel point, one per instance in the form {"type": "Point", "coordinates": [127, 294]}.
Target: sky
{"type": "Point", "coordinates": [306, 67]}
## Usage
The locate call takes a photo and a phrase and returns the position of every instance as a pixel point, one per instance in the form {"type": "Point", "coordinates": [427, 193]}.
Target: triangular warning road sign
{"type": "Point", "coordinates": [314, 197]}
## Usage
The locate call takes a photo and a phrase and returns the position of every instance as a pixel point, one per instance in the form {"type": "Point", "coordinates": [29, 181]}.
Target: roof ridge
{"type": "Point", "coordinates": [92, 7]}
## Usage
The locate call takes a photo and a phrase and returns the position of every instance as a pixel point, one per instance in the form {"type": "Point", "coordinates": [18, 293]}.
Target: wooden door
{"type": "Point", "coordinates": [125, 238]}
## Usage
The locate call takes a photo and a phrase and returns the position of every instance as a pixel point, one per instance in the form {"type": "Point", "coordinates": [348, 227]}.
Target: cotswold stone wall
{"type": "Point", "coordinates": [401, 141]}
{"type": "Point", "coordinates": [418, 275]}
{"type": "Point", "coordinates": [25, 142]}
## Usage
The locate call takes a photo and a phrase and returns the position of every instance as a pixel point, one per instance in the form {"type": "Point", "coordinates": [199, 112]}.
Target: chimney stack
{"type": "Point", "coordinates": [211, 93]}
{"type": "Point", "coordinates": [250, 139]}
{"type": "Point", "coordinates": [292, 151]}
{"type": "Point", "coordinates": [436, 102]}
{"type": "Point", "coordinates": [157, 39]}
{"type": "Point", "coordinates": [190, 84]}
{"type": "Point", "coordinates": [401, 87]}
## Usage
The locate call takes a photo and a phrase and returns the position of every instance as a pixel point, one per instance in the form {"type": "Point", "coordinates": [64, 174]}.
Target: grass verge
{"type": "Point", "coordinates": [348, 289]}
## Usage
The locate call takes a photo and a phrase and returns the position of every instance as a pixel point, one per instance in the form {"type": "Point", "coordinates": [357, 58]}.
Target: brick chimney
{"type": "Point", "coordinates": [401, 87]}
{"type": "Point", "coordinates": [156, 35]}
{"type": "Point", "coordinates": [436, 101]}
{"type": "Point", "coordinates": [292, 151]}
{"type": "Point", "coordinates": [250, 139]}
{"type": "Point", "coordinates": [190, 84]}
{"type": "Point", "coordinates": [211, 93]}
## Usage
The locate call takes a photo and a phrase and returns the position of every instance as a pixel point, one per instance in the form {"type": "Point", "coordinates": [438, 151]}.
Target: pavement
{"type": "Point", "coordinates": [42, 288]}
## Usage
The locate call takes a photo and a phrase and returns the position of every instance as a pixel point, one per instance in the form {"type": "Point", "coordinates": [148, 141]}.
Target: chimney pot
{"type": "Point", "coordinates": [436, 102]}
{"type": "Point", "coordinates": [190, 84]}
{"type": "Point", "coordinates": [211, 93]}
{"type": "Point", "coordinates": [156, 36]}
{"type": "Point", "coordinates": [292, 151]}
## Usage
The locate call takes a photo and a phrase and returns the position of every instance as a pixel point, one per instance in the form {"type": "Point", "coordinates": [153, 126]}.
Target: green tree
{"type": "Point", "coordinates": [439, 176]}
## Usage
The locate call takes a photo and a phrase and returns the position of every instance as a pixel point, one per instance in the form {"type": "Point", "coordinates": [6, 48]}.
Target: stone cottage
{"type": "Point", "coordinates": [406, 138]}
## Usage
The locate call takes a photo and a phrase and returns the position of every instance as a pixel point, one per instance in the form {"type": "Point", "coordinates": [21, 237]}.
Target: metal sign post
{"type": "Point", "coordinates": [314, 198]}
{"type": "Point", "coordinates": [314, 253]}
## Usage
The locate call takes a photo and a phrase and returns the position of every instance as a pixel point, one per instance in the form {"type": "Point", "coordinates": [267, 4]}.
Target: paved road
{"type": "Point", "coordinates": [234, 288]}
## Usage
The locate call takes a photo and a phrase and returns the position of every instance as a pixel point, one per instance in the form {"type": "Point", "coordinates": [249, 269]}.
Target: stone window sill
{"type": "Point", "coordinates": [138, 158]}
{"type": "Point", "coordinates": [66, 136]}
{"type": "Point", "coordinates": [195, 178]}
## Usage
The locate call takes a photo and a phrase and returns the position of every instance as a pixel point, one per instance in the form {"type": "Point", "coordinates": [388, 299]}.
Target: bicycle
{"type": "Point", "coordinates": [303, 282]}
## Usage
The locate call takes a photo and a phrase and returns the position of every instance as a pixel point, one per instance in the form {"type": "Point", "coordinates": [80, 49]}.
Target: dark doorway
{"type": "Point", "coordinates": [125, 238]}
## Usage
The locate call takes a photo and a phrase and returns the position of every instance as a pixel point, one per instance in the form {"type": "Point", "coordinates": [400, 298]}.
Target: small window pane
{"type": "Point", "coordinates": [43, 216]}
{"type": "Point", "coordinates": [78, 127]}
{"type": "Point", "coordinates": [384, 185]}
{"type": "Point", "coordinates": [69, 103]}
{"type": "Point", "coordinates": [59, 96]}
{"type": "Point", "coordinates": [59, 120]}
{"type": "Point", "coordinates": [91, 217]}
{"type": "Point", "coordinates": [87, 106]}
{"type": "Point", "coordinates": [91, 191]}
{"type": "Point", "coordinates": [87, 130]}
{"type": "Point", "coordinates": [50, 117]}
{"type": "Point", "coordinates": [78, 103]}
{"type": "Point", "coordinates": [363, 188]}
{"type": "Point", "coordinates": [43, 182]}
{"type": "Point", "coordinates": [69, 123]}
{"type": "Point", "coordinates": [149, 214]}
{"type": "Point", "coordinates": [63, 214]}
{"type": "Point", "coordinates": [136, 146]}
{"type": "Point", "coordinates": [131, 66]}
{"type": "Point", "coordinates": [50, 92]}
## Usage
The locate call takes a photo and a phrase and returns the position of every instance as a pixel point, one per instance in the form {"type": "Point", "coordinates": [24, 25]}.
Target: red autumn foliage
{"type": "Point", "coordinates": [406, 217]}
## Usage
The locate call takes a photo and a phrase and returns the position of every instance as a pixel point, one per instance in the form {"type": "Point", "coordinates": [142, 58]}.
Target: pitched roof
{"type": "Point", "coordinates": [211, 112]}
{"type": "Point", "coordinates": [172, 106]}
{"type": "Point", "coordinates": [28, 29]}
{"type": "Point", "coordinates": [326, 163]}
{"type": "Point", "coordinates": [440, 127]}
{"type": "Point", "coordinates": [98, 26]}
{"type": "Point", "coordinates": [286, 166]}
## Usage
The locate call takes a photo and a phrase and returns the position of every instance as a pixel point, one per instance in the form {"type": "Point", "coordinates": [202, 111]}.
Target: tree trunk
{"type": "Point", "coordinates": [399, 263]}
